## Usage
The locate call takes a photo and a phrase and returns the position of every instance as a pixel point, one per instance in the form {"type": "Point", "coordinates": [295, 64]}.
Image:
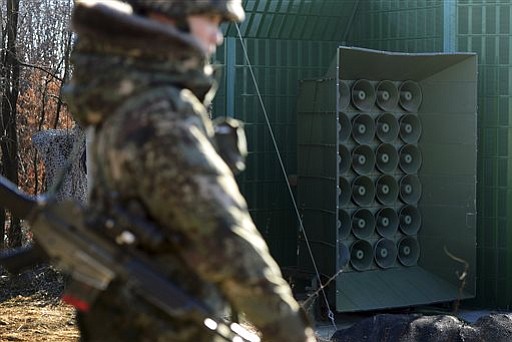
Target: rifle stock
{"type": "Point", "coordinates": [93, 259]}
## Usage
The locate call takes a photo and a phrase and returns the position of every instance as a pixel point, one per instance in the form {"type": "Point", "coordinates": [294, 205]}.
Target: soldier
{"type": "Point", "coordinates": [142, 83]}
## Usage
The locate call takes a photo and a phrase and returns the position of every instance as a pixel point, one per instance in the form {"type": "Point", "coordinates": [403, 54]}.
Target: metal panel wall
{"type": "Point", "coordinates": [485, 27]}
{"type": "Point", "coordinates": [307, 20]}
{"type": "Point", "coordinates": [287, 40]}
{"type": "Point", "coordinates": [397, 25]}
{"type": "Point", "coordinates": [278, 65]}
{"type": "Point", "coordinates": [294, 39]}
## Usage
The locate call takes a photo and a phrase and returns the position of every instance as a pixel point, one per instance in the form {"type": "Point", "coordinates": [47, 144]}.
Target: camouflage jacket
{"type": "Point", "coordinates": [144, 87]}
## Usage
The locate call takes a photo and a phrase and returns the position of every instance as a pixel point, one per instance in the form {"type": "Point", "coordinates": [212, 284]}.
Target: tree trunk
{"type": "Point", "coordinates": [2, 92]}
{"type": "Point", "coordinates": [9, 138]}
{"type": "Point", "coordinates": [66, 59]}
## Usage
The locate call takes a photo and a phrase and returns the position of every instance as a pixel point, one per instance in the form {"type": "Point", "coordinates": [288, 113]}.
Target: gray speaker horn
{"type": "Point", "coordinates": [386, 158]}
{"type": "Point", "coordinates": [410, 96]}
{"type": "Point", "coordinates": [409, 220]}
{"type": "Point", "coordinates": [410, 159]}
{"type": "Point", "coordinates": [363, 95]}
{"type": "Point", "coordinates": [363, 159]}
{"type": "Point", "coordinates": [363, 128]}
{"type": "Point", "coordinates": [386, 189]}
{"type": "Point", "coordinates": [344, 224]}
{"type": "Point", "coordinates": [410, 128]}
{"type": "Point", "coordinates": [410, 189]}
{"type": "Point", "coordinates": [385, 252]}
{"type": "Point", "coordinates": [343, 255]}
{"type": "Point", "coordinates": [363, 223]}
{"type": "Point", "coordinates": [408, 251]}
{"type": "Point", "coordinates": [363, 191]}
{"type": "Point", "coordinates": [344, 96]}
{"type": "Point", "coordinates": [387, 127]}
{"type": "Point", "coordinates": [344, 127]}
{"type": "Point", "coordinates": [387, 95]}
{"type": "Point", "coordinates": [344, 159]}
{"type": "Point", "coordinates": [361, 255]}
{"type": "Point", "coordinates": [344, 191]}
{"type": "Point", "coordinates": [386, 222]}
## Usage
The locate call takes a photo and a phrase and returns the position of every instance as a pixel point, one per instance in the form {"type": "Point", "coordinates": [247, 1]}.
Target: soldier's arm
{"type": "Point", "coordinates": [187, 187]}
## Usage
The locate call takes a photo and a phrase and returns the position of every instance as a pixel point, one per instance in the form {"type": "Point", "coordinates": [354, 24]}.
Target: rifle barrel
{"type": "Point", "coordinates": [18, 203]}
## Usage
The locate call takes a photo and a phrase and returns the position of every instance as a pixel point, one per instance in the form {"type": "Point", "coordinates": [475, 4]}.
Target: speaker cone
{"type": "Point", "coordinates": [410, 189]}
{"type": "Point", "coordinates": [363, 95]}
{"type": "Point", "coordinates": [387, 189]}
{"type": "Point", "coordinates": [344, 191]}
{"type": "Point", "coordinates": [386, 158]}
{"type": "Point", "coordinates": [410, 96]}
{"type": "Point", "coordinates": [361, 255]}
{"type": "Point", "coordinates": [410, 128]}
{"type": "Point", "coordinates": [387, 127]}
{"type": "Point", "coordinates": [410, 159]}
{"type": "Point", "coordinates": [363, 159]}
{"type": "Point", "coordinates": [410, 220]}
{"type": "Point", "coordinates": [363, 128]}
{"type": "Point", "coordinates": [344, 224]}
{"type": "Point", "coordinates": [363, 191]}
{"type": "Point", "coordinates": [344, 96]}
{"type": "Point", "coordinates": [363, 223]}
{"type": "Point", "coordinates": [344, 127]}
{"type": "Point", "coordinates": [385, 252]}
{"type": "Point", "coordinates": [408, 251]}
{"type": "Point", "coordinates": [386, 222]}
{"type": "Point", "coordinates": [344, 159]}
{"type": "Point", "coordinates": [343, 255]}
{"type": "Point", "coordinates": [387, 95]}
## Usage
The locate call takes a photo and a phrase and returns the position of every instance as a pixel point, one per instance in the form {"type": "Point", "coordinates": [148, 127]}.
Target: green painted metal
{"type": "Point", "coordinates": [291, 40]}
{"type": "Point", "coordinates": [450, 26]}
{"type": "Point", "coordinates": [395, 25]}
{"type": "Point", "coordinates": [307, 20]}
{"type": "Point", "coordinates": [390, 267]}
{"type": "Point", "coordinates": [287, 40]}
{"type": "Point", "coordinates": [485, 28]}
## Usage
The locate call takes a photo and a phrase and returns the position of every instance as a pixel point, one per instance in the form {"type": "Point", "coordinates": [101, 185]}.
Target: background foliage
{"type": "Point", "coordinates": [35, 42]}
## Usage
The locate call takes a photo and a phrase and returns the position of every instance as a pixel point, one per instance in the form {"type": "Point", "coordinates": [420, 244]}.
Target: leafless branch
{"type": "Point", "coordinates": [462, 276]}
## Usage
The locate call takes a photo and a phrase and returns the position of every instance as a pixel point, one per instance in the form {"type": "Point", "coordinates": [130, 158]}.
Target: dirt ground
{"type": "Point", "coordinates": [31, 311]}
{"type": "Point", "coordinates": [35, 319]}
{"type": "Point", "coordinates": [30, 308]}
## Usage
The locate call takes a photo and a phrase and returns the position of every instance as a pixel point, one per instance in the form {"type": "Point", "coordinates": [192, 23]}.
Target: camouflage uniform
{"type": "Point", "coordinates": [143, 86]}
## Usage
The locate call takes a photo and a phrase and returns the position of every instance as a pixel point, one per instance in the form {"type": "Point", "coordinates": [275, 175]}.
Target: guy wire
{"type": "Point", "coordinates": [330, 313]}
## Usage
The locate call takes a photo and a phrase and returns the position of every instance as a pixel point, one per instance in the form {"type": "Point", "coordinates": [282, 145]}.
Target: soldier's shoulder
{"type": "Point", "coordinates": [168, 98]}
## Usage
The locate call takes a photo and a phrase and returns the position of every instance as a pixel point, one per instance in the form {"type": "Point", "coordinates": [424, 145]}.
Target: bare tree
{"type": "Point", "coordinates": [35, 45]}
{"type": "Point", "coordinates": [10, 80]}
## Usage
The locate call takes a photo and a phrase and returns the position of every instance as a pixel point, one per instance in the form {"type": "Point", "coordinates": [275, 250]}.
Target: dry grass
{"type": "Point", "coordinates": [30, 309]}
{"type": "Point", "coordinates": [35, 320]}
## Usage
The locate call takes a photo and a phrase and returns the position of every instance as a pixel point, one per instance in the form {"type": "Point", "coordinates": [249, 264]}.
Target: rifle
{"type": "Point", "coordinates": [93, 259]}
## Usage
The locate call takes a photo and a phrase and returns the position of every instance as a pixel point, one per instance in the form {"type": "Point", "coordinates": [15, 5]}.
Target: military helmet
{"type": "Point", "coordinates": [230, 10]}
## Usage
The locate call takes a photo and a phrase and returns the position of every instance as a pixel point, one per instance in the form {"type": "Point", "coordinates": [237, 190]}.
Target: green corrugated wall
{"type": "Point", "coordinates": [398, 25]}
{"type": "Point", "coordinates": [278, 65]}
{"type": "Point", "coordinates": [289, 40]}
{"type": "Point", "coordinates": [485, 27]}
